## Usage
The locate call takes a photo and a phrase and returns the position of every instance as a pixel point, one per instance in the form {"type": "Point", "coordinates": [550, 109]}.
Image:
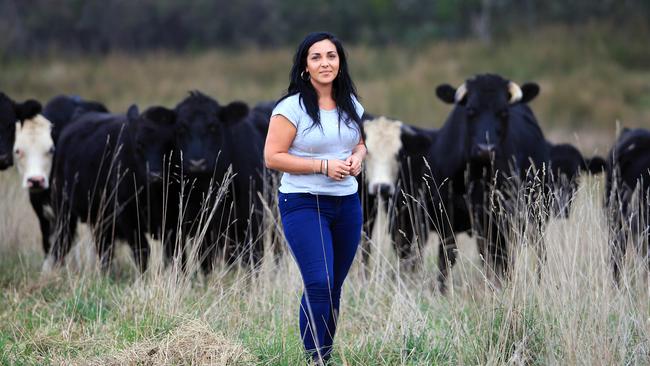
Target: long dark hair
{"type": "Point", "coordinates": [342, 88]}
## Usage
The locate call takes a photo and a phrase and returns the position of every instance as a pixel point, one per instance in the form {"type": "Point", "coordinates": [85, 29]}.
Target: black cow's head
{"type": "Point", "coordinates": [153, 134]}
{"type": "Point", "coordinates": [202, 131]}
{"type": "Point", "coordinates": [484, 103]}
{"type": "Point", "coordinates": [10, 113]}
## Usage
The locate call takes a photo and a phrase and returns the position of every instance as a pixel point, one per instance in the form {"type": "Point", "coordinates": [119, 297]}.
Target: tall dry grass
{"type": "Point", "coordinates": [574, 315]}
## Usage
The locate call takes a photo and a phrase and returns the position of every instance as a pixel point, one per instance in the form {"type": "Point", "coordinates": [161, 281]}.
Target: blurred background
{"type": "Point", "coordinates": [590, 57]}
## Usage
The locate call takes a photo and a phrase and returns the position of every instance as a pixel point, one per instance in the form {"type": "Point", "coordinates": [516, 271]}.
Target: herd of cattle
{"type": "Point", "coordinates": [196, 171]}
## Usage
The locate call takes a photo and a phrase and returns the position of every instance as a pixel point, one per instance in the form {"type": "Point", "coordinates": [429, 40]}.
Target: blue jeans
{"type": "Point", "coordinates": [323, 233]}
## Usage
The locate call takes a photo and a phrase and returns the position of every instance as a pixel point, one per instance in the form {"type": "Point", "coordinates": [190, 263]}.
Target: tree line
{"type": "Point", "coordinates": [99, 26]}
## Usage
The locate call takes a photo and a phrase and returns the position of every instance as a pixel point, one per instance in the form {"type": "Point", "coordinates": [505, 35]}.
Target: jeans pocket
{"type": "Point", "coordinates": [288, 202]}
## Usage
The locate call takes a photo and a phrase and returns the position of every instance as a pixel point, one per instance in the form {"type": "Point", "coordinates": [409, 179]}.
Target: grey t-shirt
{"type": "Point", "coordinates": [330, 142]}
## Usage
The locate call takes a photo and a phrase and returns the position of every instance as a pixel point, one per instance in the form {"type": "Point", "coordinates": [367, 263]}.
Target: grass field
{"type": "Point", "coordinates": [574, 315]}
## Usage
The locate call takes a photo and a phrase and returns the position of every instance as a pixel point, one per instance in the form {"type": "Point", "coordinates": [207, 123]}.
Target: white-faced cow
{"type": "Point", "coordinates": [33, 151]}
{"type": "Point", "coordinates": [393, 178]}
{"type": "Point", "coordinates": [627, 195]}
{"type": "Point", "coordinates": [489, 154]}
{"type": "Point", "coordinates": [10, 113]}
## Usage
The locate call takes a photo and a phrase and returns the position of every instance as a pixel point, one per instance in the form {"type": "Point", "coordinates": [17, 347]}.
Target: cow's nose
{"type": "Point", "coordinates": [197, 165]}
{"type": "Point", "coordinates": [5, 161]}
{"type": "Point", "coordinates": [484, 151]}
{"type": "Point", "coordinates": [385, 190]}
{"type": "Point", "coordinates": [487, 148]}
{"type": "Point", "coordinates": [36, 182]}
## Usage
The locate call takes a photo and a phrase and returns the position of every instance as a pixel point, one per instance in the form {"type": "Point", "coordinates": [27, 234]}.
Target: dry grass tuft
{"type": "Point", "coordinates": [192, 343]}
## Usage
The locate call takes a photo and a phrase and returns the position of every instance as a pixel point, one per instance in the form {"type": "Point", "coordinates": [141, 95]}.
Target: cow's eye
{"type": "Point", "coordinates": [51, 151]}
{"type": "Point", "coordinates": [18, 152]}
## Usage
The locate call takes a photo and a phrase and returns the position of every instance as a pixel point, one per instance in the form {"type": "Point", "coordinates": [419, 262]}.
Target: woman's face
{"type": "Point", "coordinates": [323, 62]}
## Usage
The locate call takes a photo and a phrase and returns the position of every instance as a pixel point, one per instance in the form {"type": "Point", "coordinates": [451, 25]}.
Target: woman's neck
{"type": "Point", "coordinates": [324, 93]}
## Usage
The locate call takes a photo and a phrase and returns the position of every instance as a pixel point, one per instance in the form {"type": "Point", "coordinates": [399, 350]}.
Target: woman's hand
{"type": "Point", "coordinates": [354, 162]}
{"type": "Point", "coordinates": [338, 169]}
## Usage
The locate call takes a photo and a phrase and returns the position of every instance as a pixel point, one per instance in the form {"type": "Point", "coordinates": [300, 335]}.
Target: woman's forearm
{"type": "Point", "coordinates": [360, 151]}
{"type": "Point", "coordinates": [292, 164]}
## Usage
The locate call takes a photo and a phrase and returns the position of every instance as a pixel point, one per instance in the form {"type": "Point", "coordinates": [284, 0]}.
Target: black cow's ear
{"type": "Point", "coordinates": [595, 165]}
{"type": "Point", "coordinates": [446, 93]}
{"type": "Point", "coordinates": [233, 112]}
{"type": "Point", "coordinates": [132, 113]}
{"type": "Point", "coordinates": [415, 142]}
{"type": "Point", "coordinates": [529, 92]}
{"type": "Point", "coordinates": [161, 115]}
{"type": "Point", "coordinates": [27, 109]}
{"type": "Point", "coordinates": [94, 106]}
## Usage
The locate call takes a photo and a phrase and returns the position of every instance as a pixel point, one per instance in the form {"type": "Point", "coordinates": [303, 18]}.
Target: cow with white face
{"type": "Point", "coordinates": [394, 167]}
{"type": "Point", "coordinates": [33, 152]}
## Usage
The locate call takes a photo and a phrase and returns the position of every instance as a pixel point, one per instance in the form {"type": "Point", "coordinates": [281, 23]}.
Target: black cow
{"type": "Point", "coordinates": [393, 174]}
{"type": "Point", "coordinates": [100, 177]}
{"type": "Point", "coordinates": [489, 150]}
{"type": "Point", "coordinates": [261, 116]}
{"type": "Point", "coordinates": [212, 138]}
{"type": "Point", "coordinates": [10, 113]}
{"type": "Point", "coordinates": [567, 164]}
{"type": "Point", "coordinates": [627, 195]}
{"type": "Point", "coordinates": [63, 109]}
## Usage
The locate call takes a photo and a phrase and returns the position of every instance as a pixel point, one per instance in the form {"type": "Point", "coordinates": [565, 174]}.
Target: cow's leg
{"type": "Point", "coordinates": [618, 247]}
{"type": "Point", "coordinates": [39, 202]}
{"type": "Point", "coordinates": [66, 230]}
{"type": "Point", "coordinates": [401, 241]}
{"type": "Point", "coordinates": [447, 253]}
{"type": "Point", "coordinates": [140, 249]}
{"type": "Point", "coordinates": [105, 243]}
{"type": "Point", "coordinates": [175, 250]}
{"type": "Point", "coordinates": [369, 205]}
{"type": "Point", "coordinates": [404, 236]}
{"type": "Point", "coordinates": [501, 258]}
{"type": "Point", "coordinates": [208, 253]}
{"type": "Point", "coordinates": [540, 245]}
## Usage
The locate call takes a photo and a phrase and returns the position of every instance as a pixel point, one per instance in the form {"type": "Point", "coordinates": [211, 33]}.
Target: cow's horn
{"type": "Point", "coordinates": [460, 93]}
{"type": "Point", "coordinates": [515, 92]}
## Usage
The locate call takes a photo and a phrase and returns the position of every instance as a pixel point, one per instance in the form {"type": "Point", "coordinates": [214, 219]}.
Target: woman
{"type": "Point", "coordinates": [316, 139]}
